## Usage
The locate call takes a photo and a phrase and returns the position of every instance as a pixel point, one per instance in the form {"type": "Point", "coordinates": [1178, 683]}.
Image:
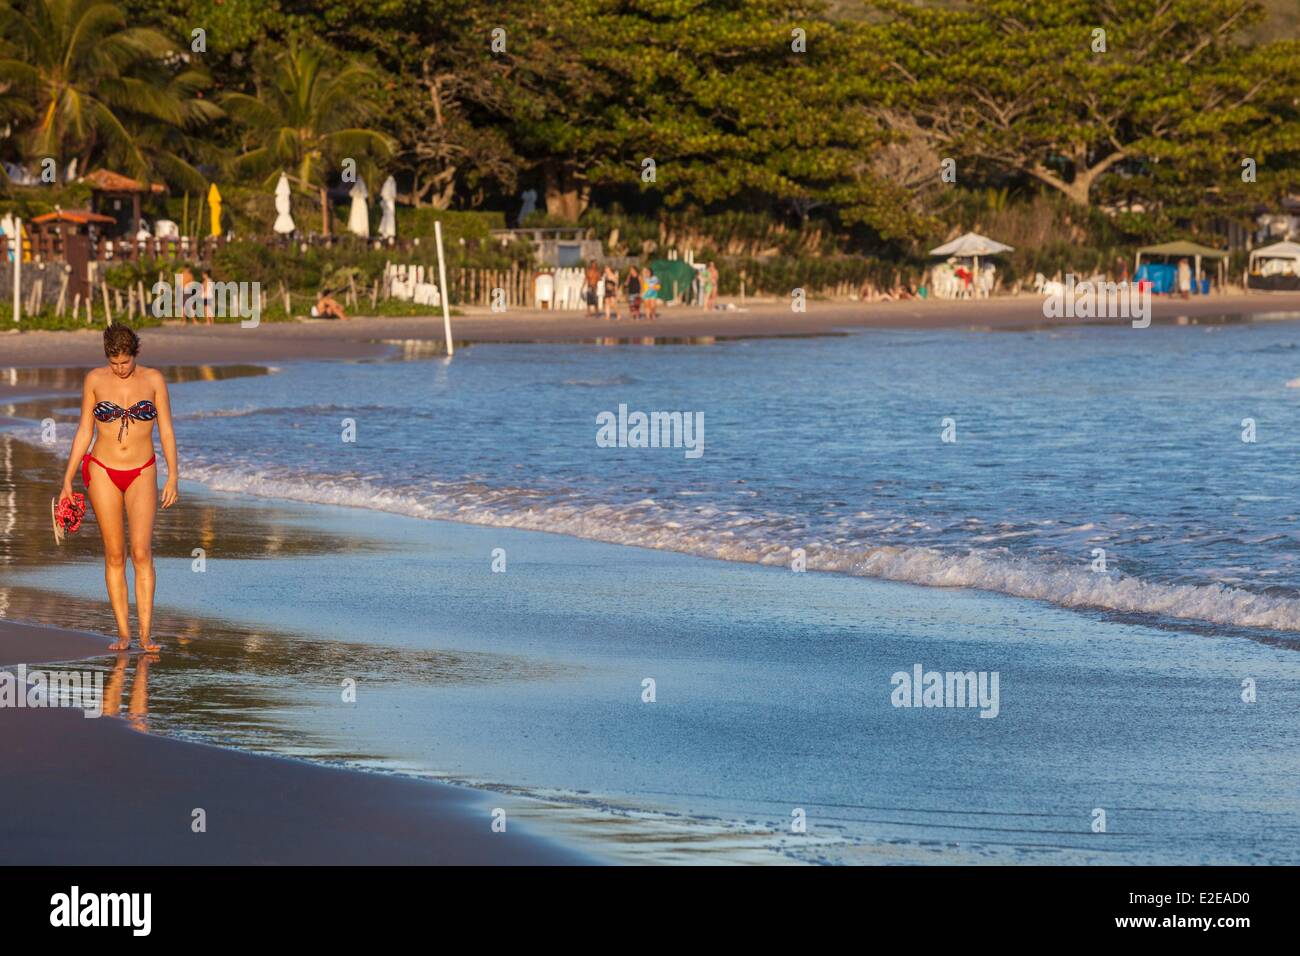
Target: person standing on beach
{"type": "Point", "coordinates": [119, 404]}
{"type": "Point", "coordinates": [1184, 278]}
{"type": "Point", "coordinates": [711, 302]}
{"type": "Point", "coordinates": [187, 306]}
{"type": "Point", "coordinates": [633, 286]}
{"type": "Point", "coordinates": [209, 298]}
{"type": "Point", "coordinates": [611, 293]}
{"type": "Point", "coordinates": [592, 291]}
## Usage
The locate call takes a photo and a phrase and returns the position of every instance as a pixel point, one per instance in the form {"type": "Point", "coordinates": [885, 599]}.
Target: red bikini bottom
{"type": "Point", "coordinates": [121, 478]}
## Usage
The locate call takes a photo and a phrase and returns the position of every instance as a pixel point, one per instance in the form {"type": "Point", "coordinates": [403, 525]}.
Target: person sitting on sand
{"type": "Point", "coordinates": [327, 308]}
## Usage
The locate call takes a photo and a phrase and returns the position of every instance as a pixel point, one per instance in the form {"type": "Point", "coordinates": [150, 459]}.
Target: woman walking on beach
{"type": "Point", "coordinates": [611, 293]}
{"type": "Point", "coordinates": [119, 404]}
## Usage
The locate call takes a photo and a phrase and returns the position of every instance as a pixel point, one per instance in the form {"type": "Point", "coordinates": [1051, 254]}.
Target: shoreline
{"type": "Point", "coordinates": [453, 821]}
{"type": "Point", "coordinates": [377, 338]}
{"type": "Point", "coordinates": [65, 807]}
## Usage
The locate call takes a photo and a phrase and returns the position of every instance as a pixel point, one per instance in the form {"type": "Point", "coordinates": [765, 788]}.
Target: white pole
{"type": "Point", "coordinates": [442, 286]}
{"type": "Point", "coordinates": [18, 266]}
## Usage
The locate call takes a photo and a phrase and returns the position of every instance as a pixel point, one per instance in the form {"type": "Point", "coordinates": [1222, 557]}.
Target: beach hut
{"type": "Point", "coordinates": [1180, 250]}
{"type": "Point", "coordinates": [972, 246]}
{"type": "Point", "coordinates": [66, 234]}
{"type": "Point", "coordinates": [119, 197]}
{"type": "Point", "coordinates": [1274, 268]}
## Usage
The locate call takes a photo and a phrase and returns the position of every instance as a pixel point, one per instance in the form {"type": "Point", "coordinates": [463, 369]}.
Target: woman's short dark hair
{"type": "Point", "coordinates": [121, 339]}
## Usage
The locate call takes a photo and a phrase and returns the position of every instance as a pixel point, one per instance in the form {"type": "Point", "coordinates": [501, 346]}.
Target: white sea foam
{"type": "Point", "coordinates": [631, 524]}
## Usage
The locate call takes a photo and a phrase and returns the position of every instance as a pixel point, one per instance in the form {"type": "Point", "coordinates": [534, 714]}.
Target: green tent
{"type": "Point", "coordinates": [675, 278]}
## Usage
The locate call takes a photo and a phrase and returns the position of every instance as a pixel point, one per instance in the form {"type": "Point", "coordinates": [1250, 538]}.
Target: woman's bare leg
{"type": "Point", "coordinates": [141, 505]}
{"type": "Point", "coordinates": [107, 502]}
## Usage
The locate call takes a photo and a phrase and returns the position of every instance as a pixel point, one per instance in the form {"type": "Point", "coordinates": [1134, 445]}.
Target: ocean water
{"type": "Point", "coordinates": [1120, 691]}
{"type": "Point", "coordinates": [1067, 443]}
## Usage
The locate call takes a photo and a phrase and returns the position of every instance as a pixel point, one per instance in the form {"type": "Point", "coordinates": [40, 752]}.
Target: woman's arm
{"type": "Point", "coordinates": [167, 435]}
{"type": "Point", "coordinates": [81, 440]}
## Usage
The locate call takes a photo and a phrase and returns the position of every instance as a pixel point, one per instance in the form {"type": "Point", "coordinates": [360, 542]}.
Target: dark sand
{"type": "Point", "coordinates": [362, 337]}
{"type": "Point", "coordinates": [81, 791]}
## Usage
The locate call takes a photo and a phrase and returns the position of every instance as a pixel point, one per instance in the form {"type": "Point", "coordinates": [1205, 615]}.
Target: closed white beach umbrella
{"type": "Point", "coordinates": [359, 217]}
{"type": "Point", "coordinates": [388, 207]}
{"type": "Point", "coordinates": [283, 220]}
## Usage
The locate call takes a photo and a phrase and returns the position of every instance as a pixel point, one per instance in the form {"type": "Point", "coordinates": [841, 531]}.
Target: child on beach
{"type": "Point", "coordinates": [650, 295]}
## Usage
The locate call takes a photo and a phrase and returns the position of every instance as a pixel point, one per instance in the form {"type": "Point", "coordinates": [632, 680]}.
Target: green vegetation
{"type": "Point", "coordinates": [745, 129]}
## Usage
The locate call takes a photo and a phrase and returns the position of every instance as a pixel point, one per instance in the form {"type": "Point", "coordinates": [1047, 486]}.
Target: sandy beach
{"type": "Point", "coordinates": [364, 337]}
{"type": "Point", "coordinates": [95, 792]}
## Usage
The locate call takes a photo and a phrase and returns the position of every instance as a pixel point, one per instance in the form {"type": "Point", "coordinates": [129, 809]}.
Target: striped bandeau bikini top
{"type": "Point", "coordinates": [141, 411]}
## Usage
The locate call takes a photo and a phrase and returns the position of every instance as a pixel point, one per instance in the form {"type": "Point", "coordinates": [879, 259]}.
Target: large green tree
{"type": "Point", "coordinates": [758, 102]}
{"type": "Point", "coordinates": [1065, 91]}
{"type": "Point", "coordinates": [441, 85]}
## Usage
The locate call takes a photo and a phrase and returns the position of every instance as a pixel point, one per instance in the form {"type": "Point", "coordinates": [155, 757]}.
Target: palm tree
{"type": "Point", "coordinates": [307, 117]}
{"type": "Point", "coordinates": [96, 87]}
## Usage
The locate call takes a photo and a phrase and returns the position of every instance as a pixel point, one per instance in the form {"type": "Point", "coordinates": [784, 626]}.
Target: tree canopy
{"type": "Point", "coordinates": [1145, 108]}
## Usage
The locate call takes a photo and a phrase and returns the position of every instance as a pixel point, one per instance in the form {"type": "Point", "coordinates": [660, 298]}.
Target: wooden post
{"type": "Point", "coordinates": [108, 313]}
{"type": "Point", "coordinates": [18, 267]}
{"type": "Point", "coordinates": [76, 305]}
{"type": "Point", "coordinates": [442, 287]}
{"type": "Point", "coordinates": [63, 291]}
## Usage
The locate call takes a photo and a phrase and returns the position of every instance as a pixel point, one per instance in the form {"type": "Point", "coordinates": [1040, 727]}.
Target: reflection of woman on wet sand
{"type": "Point", "coordinates": [137, 708]}
{"type": "Point", "coordinates": [119, 405]}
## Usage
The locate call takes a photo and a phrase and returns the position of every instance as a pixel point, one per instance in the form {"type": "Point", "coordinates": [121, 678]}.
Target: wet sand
{"type": "Point", "coordinates": [362, 338]}
{"type": "Point", "coordinates": [99, 791]}
{"type": "Point", "coordinates": [95, 792]}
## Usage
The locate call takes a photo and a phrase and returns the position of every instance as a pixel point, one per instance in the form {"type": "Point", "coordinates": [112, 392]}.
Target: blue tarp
{"type": "Point", "coordinates": [1163, 278]}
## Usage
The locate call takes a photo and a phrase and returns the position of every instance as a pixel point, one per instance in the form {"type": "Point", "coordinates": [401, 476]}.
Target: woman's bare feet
{"type": "Point", "coordinates": [121, 644]}
{"type": "Point", "coordinates": [148, 646]}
